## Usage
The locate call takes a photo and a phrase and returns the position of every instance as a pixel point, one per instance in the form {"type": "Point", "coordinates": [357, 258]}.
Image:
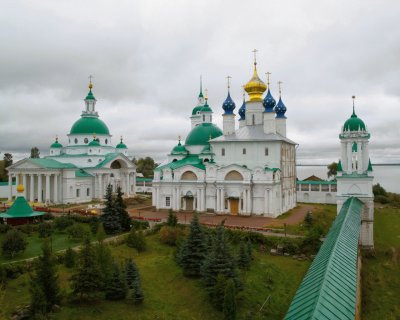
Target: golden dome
{"type": "Point", "coordinates": [255, 87]}
{"type": "Point", "coordinates": [20, 188]}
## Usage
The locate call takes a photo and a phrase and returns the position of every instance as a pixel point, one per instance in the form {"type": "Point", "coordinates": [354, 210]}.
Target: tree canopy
{"type": "Point", "coordinates": [145, 166]}
{"type": "Point", "coordinates": [332, 170]}
{"type": "Point", "coordinates": [35, 153]}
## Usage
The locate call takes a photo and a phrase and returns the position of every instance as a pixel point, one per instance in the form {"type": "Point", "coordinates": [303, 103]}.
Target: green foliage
{"type": "Point", "coordinates": [110, 216]}
{"type": "Point", "coordinates": [45, 229]}
{"type": "Point", "coordinates": [100, 234]}
{"type": "Point", "coordinates": [8, 160]}
{"type": "Point", "coordinates": [133, 281]}
{"type": "Point", "coordinates": [244, 258]}
{"type": "Point", "coordinates": [105, 263]}
{"type": "Point", "coordinates": [378, 190]}
{"type": "Point", "coordinates": [193, 250]}
{"type": "Point", "coordinates": [219, 262]}
{"type": "Point", "coordinates": [13, 242]}
{"type": "Point", "coordinates": [136, 240]}
{"type": "Point", "coordinates": [120, 206]}
{"type": "Point", "coordinates": [229, 306]}
{"type": "Point", "coordinates": [332, 170]}
{"type": "Point", "coordinates": [140, 224]}
{"type": "Point", "coordinates": [45, 290]}
{"type": "Point", "coordinates": [311, 243]}
{"type": "Point", "coordinates": [85, 282]}
{"type": "Point", "coordinates": [172, 220]}
{"type": "Point", "coordinates": [116, 286]}
{"type": "Point", "coordinates": [76, 232]}
{"type": "Point", "coordinates": [4, 228]}
{"type": "Point", "coordinates": [27, 228]}
{"type": "Point", "coordinates": [94, 225]}
{"type": "Point", "coordinates": [69, 258]}
{"type": "Point", "coordinates": [61, 223]}
{"type": "Point", "coordinates": [35, 153]}
{"type": "Point", "coordinates": [145, 166]}
{"type": "Point", "coordinates": [308, 220]}
{"type": "Point", "coordinates": [170, 235]}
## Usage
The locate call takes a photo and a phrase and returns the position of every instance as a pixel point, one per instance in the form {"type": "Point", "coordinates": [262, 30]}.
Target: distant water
{"type": "Point", "coordinates": [387, 176]}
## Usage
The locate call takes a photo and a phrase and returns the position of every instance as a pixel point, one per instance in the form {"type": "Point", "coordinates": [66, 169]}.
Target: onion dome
{"type": "Point", "coordinates": [179, 148]}
{"type": "Point", "coordinates": [269, 102]}
{"type": "Point", "coordinates": [202, 133]}
{"type": "Point", "coordinates": [255, 87]}
{"type": "Point", "coordinates": [242, 110]}
{"type": "Point", "coordinates": [90, 95]}
{"type": "Point", "coordinates": [229, 104]}
{"type": "Point", "coordinates": [354, 123]}
{"type": "Point", "coordinates": [94, 143]}
{"type": "Point", "coordinates": [121, 145]}
{"type": "Point", "coordinates": [206, 107]}
{"type": "Point", "coordinates": [280, 109]}
{"type": "Point", "coordinates": [56, 144]}
{"type": "Point", "coordinates": [88, 125]}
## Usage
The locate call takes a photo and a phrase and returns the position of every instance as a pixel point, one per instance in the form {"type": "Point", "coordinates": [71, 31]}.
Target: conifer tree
{"type": "Point", "coordinates": [86, 282]}
{"type": "Point", "coordinates": [172, 220]}
{"type": "Point", "coordinates": [243, 260]}
{"type": "Point", "coordinates": [229, 306]}
{"type": "Point", "coordinates": [133, 281]}
{"type": "Point", "coordinates": [110, 216]}
{"type": "Point", "coordinates": [120, 206]}
{"type": "Point", "coordinates": [116, 285]}
{"type": "Point", "coordinates": [136, 240]}
{"type": "Point", "coordinates": [219, 262]}
{"type": "Point", "coordinates": [105, 262]}
{"type": "Point", "coordinates": [69, 258]}
{"type": "Point", "coordinates": [250, 250]}
{"type": "Point", "coordinates": [45, 291]}
{"type": "Point", "coordinates": [193, 250]}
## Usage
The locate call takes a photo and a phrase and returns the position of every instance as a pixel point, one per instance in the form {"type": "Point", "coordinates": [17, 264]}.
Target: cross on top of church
{"type": "Point", "coordinates": [268, 74]}
{"type": "Point", "coordinates": [229, 81]}
{"type": "Point", "coordinates": [90, 81]}
{"type": "Point", "coordinates": [280, 88]}
{"type": "Point", "coordinates": [255, 55]}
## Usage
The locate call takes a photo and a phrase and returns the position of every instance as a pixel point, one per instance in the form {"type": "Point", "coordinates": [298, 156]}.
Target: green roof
{"type": "Point", "coordinates": [5, 183]}
{"type": "Point", "coordinates": [206, 108]}
{"type": "Point", "coordinates": [141, 179]}
{"type": "Point", "coordinates": [82, 173]}
{"type": "Point", "coordinates": [339, 166]}
{"type": "Point", "coordinates": [90, 95]}
{"type": "Point", "coordinates": [56, 144]}
{"type": "Point", "coordinates": [89, 125]}
{"type": "Point", "coordinates": [196, 109]}
{"type": "Point", "coordinates": [94, 143]}
{"type": "Point", "coordinates": [51, 163]}
{"type": "Point", "coordinates": [202, 133]}
{"type": "Point", "coordinates": [179, 149]}
{"type": "Point", "coordinates": [121, 145]}
{"type": "Point", "coordinates": [20, 209]}
{"type": "Point", "coordinates": [370, 165]}
{"type": "Point", "coordinates": [192, 160]}
{"type": "Point", "coordinates": [354, 123]}
{"type": "Point", "coordinates": [329, 289]}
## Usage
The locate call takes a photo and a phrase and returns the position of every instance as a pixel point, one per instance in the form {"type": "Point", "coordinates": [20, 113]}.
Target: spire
{"type": "Point", "coordinates": [229, 82]}
{"type": "Point", "coordinates": [268, 74]}
{"type": "Point", "coordinates": [90, 101]}
{"type": "Point", "coordinates": [280, 88]}
{"type": "Point", "coordinates": [354, 113]}
{"type": "Point", "coordinates": [201, 87]}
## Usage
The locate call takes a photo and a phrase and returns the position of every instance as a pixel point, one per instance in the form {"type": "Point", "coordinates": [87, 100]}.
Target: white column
{"type": "Point", "coordinates": [101, 186]}
{"type": "Point", "coordinates": [32, 188]}
{"type": "Point", "coordinates": [222, 200]}
{"type": "Point", "coordinates": [9, 187]}
{"type": "Point", "coordinates": [40, 187]}
{"type": "Point", "coordinates": [248, 201]}
{"type": "Point", "coordinates": [178, 199]}
{"type": "Point", "coordinates": [47, 195]}
{"type": "Point", "coordinates": [24, 183]}
{"type": "Point", "coordinates": [244, 197]}
{"type": "Point", "coordinates": [217, 203]}
{"type": "Point", "coordinates": [266, 201]}
{"type": "Point", "coordinates": [203, 200]}
{"type": "Point", "coordinates": [158, 197]}
{"type": "Point", "coordinates": [344, 157]}
{"type": "Point", "coordinates": [360, 164]}
{"type": "Point", "coordinates": [17, 182]}
{"type": "Point", "coordinates": [128, 185]}
{"type": "Point", "coordinates": [365, 155]}
{"type": "Point", "coordinates": [55, 200]}
{"type": "Point", "coordinates": [349, 157]}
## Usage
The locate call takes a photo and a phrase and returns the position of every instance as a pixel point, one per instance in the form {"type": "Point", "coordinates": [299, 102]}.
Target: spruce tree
{"type": "Point", "coordinates": [136, 240]}
{"type": "Point", "coordinates": [219, 262]}
{"type": "Point", "coordinates": [120, 206]}
{"type": "Point", "coordinates": [172, 220]}
{"type": "Point", "coordinates": [250, 251]}
{"type": "Point", "coordinates": [110, 216]}
{"type": "Point", "coordinates": [133, 281]}
{"type": "Point", "coordinates": [86, 282]}
{"type": "Point", "coordinates": [193, 250]}
{"type": "Point", "coordinates": [105, 262]}
{"type": "Point", "coordinates": [229, 306]}
{"type": "Point", "coordinates": [243, 260]}
{"type": "Point", "coordinates": [116, 285]}
{"type": "Point", "coordinates": [45, 291]}
{"type": "Point", "coordinates": [69, 258]}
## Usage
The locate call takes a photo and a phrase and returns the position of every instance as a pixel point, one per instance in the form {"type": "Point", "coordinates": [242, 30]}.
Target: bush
{"type": "Point", "coordinates": [171, 235]}
{"type": "Point", "coordinates": [4, 228]}
{"type": "Point", "coordinates": [14, 270]}
{"type": "Point", "coordinates": [45, 230]}
{"type": "Point", "coordinates": [69, 258]}
{"type": "Point", "coordinates": [77, 231]}
{"type": "Point", "coordinates": [140, 224]}
{"type": "Point", "coordinates": [136, 240]}
{"type": "Point", "coordinates": [382, 199]}
{"type": "Point", "coordinates": [27, 228]}
{"type": "Point", "coordinates": [14, 242]}
{"type": "Point", "coordinates": [172, 220]}
{"type": "Point", "coordinates": [61, 223]}
{"type": "Point", "coordinates": [94, 225]}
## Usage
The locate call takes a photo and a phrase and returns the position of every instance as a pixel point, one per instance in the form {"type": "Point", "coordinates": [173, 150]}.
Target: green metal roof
{"type": "Point", "coordinates": [51, 163]}
{"type": "Point", "coordinates": [329, 289]}
{"type": "Point", "coordinates": [339, 166]}
{"type": "Point", "coordinates": [5, 183]}
{"type": "Point", "coordinates": [94, 143]}
{"type": "Point", "coordinates": [82, 173]}
{"type": "Point", "coordinates": [89, 125]}
{"type": "Point", "coordinates": [20, 209]}
{"type": "Point", "coordinates": [196, 109]}
{"type": "Point", "coordinates": [192, 160]}
{"type": "Point", "coordinates": [140, 179]}
{"type": "Point", "coordinates": [90, 95]}
{"type": "Point", "coordinates": [179, 149]}
{"type": "Point", "coordinates": [56, 144]}
{"type": "Point", "coordinates": [202, 133]}
{"type": "Point", "coordinates": [369, 165]}
{"type": "Point", "coordinates": [315, 182]}
{"type": "Point", "coordinates": [108, 157]}
{"type": "Point", "coordinates": [354, 123]}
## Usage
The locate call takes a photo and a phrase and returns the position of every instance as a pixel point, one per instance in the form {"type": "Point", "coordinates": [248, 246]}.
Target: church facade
{"type": "Point", "coordinates": [246, 170]}
{"type": "Point", "coordinates": [81, 170]}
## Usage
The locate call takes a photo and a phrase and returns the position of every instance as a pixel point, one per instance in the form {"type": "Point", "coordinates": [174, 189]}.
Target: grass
{"type": "Point", "coordinates": [381, 271]}
{"type": "Point", "coordinates": [169, 295]}
{"type": "Point", "coordinates": [59, 241]}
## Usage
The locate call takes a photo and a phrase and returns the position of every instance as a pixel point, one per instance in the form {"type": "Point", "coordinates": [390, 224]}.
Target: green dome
{"type": "Point", "coordinates": [200, 135]}
{"type": "Point", "coordinates": [89, 125]}
{"type": "Point", "coordinates": [179, 149]}
{"type": "Point", "coordinates": [90, 96]}
{"type": "Point", "coordinates": [206, 108]}
{"type": "Point", "coordinates": [196, 109]}
{"type": "Point", "coordinates": [94, 143]}
{"type": "Point", "coordinates": [56, 144]}
{"type": "Point", "coordinates": [354, 124]}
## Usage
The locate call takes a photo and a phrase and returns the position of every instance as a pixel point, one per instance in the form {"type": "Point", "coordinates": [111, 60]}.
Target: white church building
{"type": "Point", "coordinates": [248, 167]}
{"type": "Point", "coordinates": [81, 170]}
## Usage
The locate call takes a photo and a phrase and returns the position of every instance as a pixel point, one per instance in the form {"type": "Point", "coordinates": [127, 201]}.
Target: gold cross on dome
{"type": "Point", "coordinates": [229, 81]}
{"type": "Point", "coordinates": [255, 55]}
{"type": "Point", "coordinates": [268, 74]}
{"type": "Point", "coordinates": [280, 88]}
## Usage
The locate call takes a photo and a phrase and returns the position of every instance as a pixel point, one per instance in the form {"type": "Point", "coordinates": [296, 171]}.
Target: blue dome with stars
{"type": "Point", "coordinates": [269, 102]}
{"type": "Point", "coordinates": [228, 105]}
{"type": "Point", "coordinates": [242, 110]}
{"type": "Point", "coordinates": [280, 109]}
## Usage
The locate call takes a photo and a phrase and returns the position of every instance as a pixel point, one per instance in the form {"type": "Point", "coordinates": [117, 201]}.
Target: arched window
{"type": "Point", "coordinates": [174, 160]}
{"type": "Point", "coordinates": [189, 175]}
{"type": "Point", "coordinates": [244, 150]}
{"type": "Point", "coordinates": [234, 176]}
{"type": "Point", "coordinates": [206, 160]}
{"type": "Point", "coordinates": [86, 140]}
{"type": "Point", "coordinates": [89, 160]}
{"type": "Point", "coordinates": [76, 141]}
{"type": "Point", "coordinates": [106, 141]}
{"type": "Point", "coordinates": [223, 152]}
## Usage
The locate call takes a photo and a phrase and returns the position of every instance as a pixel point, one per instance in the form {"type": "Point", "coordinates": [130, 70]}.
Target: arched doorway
{"type": "Point", "coordinates": [234, 196]}
{"type": "Point", "coordinates": [189, 201]}
{"type": "Point", "coordinates": [189, 175]}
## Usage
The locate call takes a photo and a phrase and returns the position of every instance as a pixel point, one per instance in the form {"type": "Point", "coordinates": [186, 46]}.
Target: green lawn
{"type": "Point", "coordinates": [169, 295]}
{"type": "Point", "coordinates": [381, 273]}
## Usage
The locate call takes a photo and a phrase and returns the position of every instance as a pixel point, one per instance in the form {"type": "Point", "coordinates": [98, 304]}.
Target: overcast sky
{"type": "Point", "coordinates": [146, 58]}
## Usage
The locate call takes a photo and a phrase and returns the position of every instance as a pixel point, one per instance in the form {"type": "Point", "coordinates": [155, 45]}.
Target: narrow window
{"type": "Point", "coordinates": [204, 118]}
{"type": "Point", "coordinates": [88, 192]}
{"type": "Point", "coordinates": [244, 150]}
{"type": "Point", "coordinates": [254, 119]}
{"type": "Point", "coordinates": [78, 193]}
{"type": "Point", "coordinates": [106, 141]}
{"type": "Point", "coordinates": [167, 201]}
{"type": "Point", "coordinates": [76, 141]}
{"type": "Point", "coordinates": [86, 140]}
{"type": "Point", "coordinates": [266, 151]}
{"type": "Point", "coordinates": [223, 152]}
